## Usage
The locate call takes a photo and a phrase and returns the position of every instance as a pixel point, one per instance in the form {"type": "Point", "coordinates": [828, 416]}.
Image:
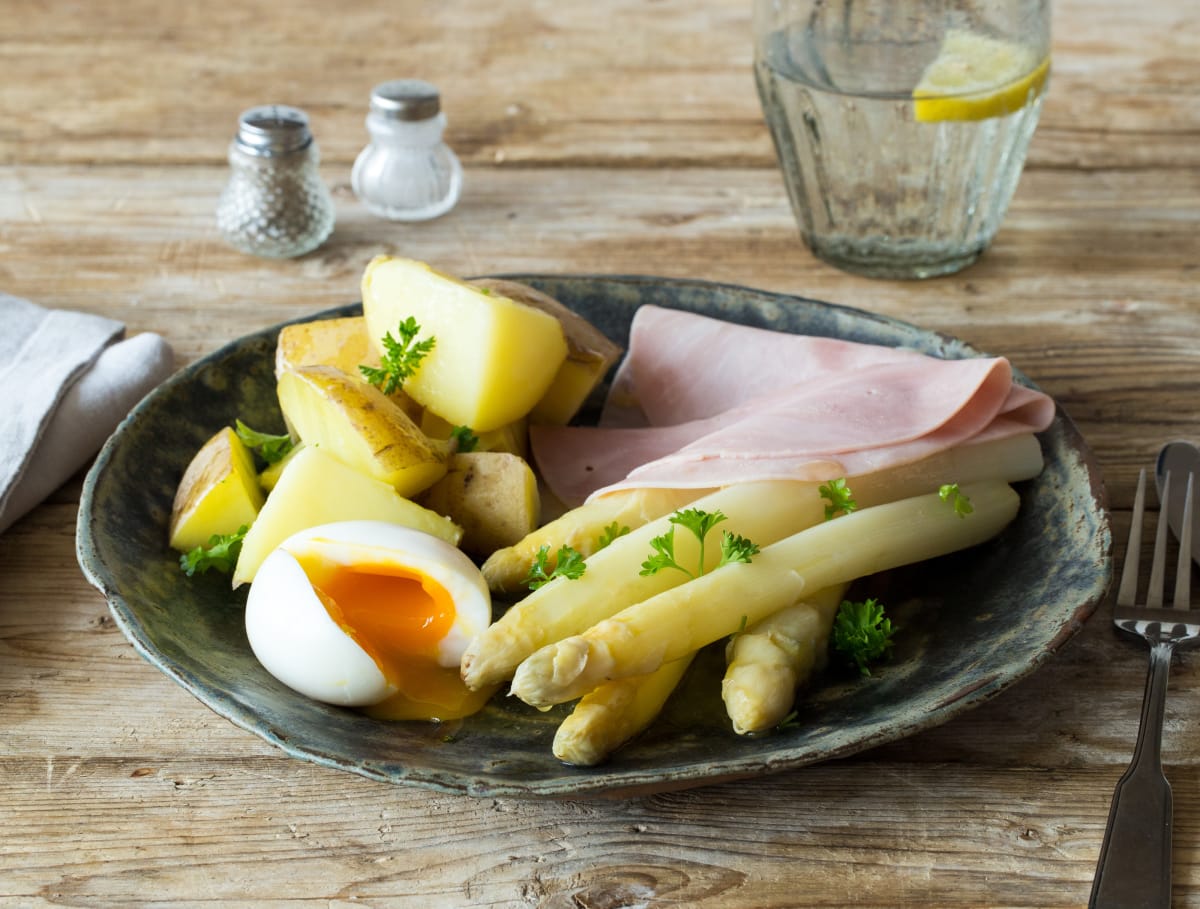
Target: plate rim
{"type": "Point", "coordinates": [590, 782]}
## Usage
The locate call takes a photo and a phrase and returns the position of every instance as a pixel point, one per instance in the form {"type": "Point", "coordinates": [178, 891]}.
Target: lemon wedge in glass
{"type": "Point", "coordinates": [975, 77]}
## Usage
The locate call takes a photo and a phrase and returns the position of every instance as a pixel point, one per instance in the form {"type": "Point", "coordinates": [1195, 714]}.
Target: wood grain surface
{"type": "Point", "coordinates": [622, 137]}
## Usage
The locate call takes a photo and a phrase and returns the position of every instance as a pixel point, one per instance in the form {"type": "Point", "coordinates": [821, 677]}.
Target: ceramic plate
{"type": "Point", "coordinates": [973, 623]}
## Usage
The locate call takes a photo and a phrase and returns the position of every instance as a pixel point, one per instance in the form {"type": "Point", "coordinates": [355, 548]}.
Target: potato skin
{"type": "Point", "coordinates": [360, 425]}
{"type": "Point", "coordinates": [492, 495]}
{"type": "Point", "coordinates": [218, 493]}
{"type": "Point", "coordinates": [342, 343]}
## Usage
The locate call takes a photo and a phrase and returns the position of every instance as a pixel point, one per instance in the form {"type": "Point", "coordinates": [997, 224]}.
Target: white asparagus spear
{"type": "Point", "coordinates": [613, 713]}
{"type": "Point", "coordinates": [580, 528]}
{"type": "Point", "coordinates": [767, 662]}
{"type": "Point", "coordinates": [763, 512]}
{"type": "Point", "coordinates": [679, 621]}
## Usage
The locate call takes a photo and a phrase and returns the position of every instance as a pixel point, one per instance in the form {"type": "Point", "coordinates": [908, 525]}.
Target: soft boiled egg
{"type": "Point", "coordinates": [362, 613]}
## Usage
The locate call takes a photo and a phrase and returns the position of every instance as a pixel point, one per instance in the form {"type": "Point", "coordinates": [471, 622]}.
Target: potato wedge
{"type": "Point", "coordinates": [494, 358]}
{"type": "Point", "coordinates": [590, 353]}
{"type": "Point", "coordinates": [492, 495]}
{"type": "Point", "coordinates": [342, 343]}
{"type": "Point", "coordinates": [219, 493]}
{"type": "Point", "coordinates": [356, 422]}
{"type": "Point", "coordinates": [269, 475]}
{"type": "Point", "coordinates": [317, 488]}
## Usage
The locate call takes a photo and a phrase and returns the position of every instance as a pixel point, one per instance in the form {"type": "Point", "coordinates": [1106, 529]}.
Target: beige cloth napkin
{"type": "Point", "coordinates": [66, 380]}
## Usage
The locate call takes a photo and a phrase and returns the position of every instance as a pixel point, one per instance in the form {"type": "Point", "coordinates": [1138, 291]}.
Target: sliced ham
{"type": "Point", "coordinates": [702, 403]}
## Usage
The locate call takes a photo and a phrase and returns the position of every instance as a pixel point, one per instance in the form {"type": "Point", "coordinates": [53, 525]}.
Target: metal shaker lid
{"type": "Point", "coordinates": [273, 129]}
{"type": "Point", "coordinates": [405, 99]}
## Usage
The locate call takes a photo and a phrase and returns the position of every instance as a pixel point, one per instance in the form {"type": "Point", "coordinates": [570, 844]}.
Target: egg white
{"type": "Point", "coordinates": [296, 640]}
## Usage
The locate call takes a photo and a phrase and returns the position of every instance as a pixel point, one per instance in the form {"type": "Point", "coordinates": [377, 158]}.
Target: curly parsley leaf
{"type": "Point", "coordinates": [611, 532]}
{"type": "Point", "coordinates": [734, 548]}
{"type": "Point", "coordinates": [841, 499]}
{"type": "Point", "coordinates": [221, 553]}
{"type": "Point", "coordinates": [400, 359]}
{"type": "Point", "coordinates": [698, 521]}
{"type": "Point", "coordinates": [952, 494]}
{"type": "Point", "coordinates": [270, 448]}
{"type": "Point", "coordinates": [568, 563]}
{"type": "Point", "coordinates": [862, 633]}
{"type": "Point", "coordinates": [663, 555]}
{"type": "Point", "coordinates": [465, 440]}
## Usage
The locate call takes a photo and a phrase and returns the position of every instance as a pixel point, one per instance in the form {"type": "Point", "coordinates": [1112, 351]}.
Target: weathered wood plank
{"type": "Point", "coordinates": [622, 137]}
{"type": "Point", "coordinates": [878, 835]}
{"type": "Point", "coordinates": [1091, 255]}
{"type": "Point", "coordinates": [536, 84]}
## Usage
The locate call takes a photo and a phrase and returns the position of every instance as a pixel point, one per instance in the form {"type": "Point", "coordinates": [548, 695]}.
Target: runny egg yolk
{"type": "Point", "coordinates": [398, 616]}
{"type": "Point", "coordinates": [390, 611]}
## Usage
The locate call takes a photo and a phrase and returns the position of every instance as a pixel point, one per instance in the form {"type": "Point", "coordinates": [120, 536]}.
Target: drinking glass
{"type": "Point", "coordinates": [901, 126]}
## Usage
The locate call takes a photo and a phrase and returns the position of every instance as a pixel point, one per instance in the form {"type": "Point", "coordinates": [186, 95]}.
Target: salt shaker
{"type": "Point", "coordinates": [406, 173]}
{"type": "Point", "coordinates": [274, 204]}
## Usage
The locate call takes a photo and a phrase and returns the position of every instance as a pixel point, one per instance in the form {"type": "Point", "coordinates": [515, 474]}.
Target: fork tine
{"type": "Point", "coordinates": [1158, 566]}
{"type": "Point", "coordinates": [1183, 573]}
{"type": "Point", "coordinates": [1127, 593]}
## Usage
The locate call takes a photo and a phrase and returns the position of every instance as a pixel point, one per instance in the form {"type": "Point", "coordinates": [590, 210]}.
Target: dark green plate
{"type": "Point", "coordinates": [972, 624]}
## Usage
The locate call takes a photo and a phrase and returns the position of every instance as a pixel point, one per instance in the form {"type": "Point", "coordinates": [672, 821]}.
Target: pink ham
{"type": "Point", "coordinates": [701, 403]}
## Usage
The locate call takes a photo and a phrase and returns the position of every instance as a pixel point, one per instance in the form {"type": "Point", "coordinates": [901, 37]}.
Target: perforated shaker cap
{"type": "Point", "coordinates": [405, 99]}
{"type": "Point", "coordinates": [273, 129]}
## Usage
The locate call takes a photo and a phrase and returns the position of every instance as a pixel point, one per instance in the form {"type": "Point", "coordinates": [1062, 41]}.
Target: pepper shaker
{"type": "Point", "coordinates": [274, 204]}
{"type": "Point", "coordinates": [406, 173]}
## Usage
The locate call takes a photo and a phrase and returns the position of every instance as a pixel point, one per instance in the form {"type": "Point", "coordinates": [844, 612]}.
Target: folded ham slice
{"type": "Point", "coordinates": [701, 403]}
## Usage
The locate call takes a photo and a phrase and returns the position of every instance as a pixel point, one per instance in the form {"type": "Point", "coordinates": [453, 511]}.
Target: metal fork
{"type": "Point", "coordinates": [1134, 869]}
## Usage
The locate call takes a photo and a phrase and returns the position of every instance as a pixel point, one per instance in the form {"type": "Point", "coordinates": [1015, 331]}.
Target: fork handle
{"type": "Point", "coordinates": [1134, 870]}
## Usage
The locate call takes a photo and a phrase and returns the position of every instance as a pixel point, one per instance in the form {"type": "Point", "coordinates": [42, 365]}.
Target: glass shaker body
{"type": "Point", "coordinates": [407, 173]}
{"type": "Point", "coordinates": [275, 204]}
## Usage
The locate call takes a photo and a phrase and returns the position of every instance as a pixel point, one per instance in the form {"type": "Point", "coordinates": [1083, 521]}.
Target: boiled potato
{"type": "Point", "coordinates": [317, 488]}
{"type": "Point", "coordinates": [493, 359]}
{"type": "Point", "coordinates": [269, 475]}
{"type": "Point", "coordinates": [590, 353]}
{"type": "Point", "coordinates": [219, 493]}
{"type": "Point", "coordinates": [359, 424]}
{"type": "Point", "coordinates": [492, 495]}
{"type": "Point", "coordinates": [342, 343]}
{"type": "Point", "coordinates": [513, 438]}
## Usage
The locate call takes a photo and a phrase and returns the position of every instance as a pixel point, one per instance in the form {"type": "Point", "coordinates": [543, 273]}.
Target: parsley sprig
{"type": "Point", "coordinates": [840, 497]}
{"type": "Point", "coordinates": [270, 448]}
{"type": "Point", "coordinates": [464, 439]}
{"type": "Point", "coordinates": [568, 563]}
{"type": "Point", "coordinates": [221, 553]}
{"type": "Point", "coordinates": [862, 633]}
{"type": "Point", "coordinates": [734, 548]}
{"type": "Point", "coordinates": [611, 532]}
{"type": "Point", "coordinates": [400, 359]}
{"type": "Point", "coordinates": [955, 496]}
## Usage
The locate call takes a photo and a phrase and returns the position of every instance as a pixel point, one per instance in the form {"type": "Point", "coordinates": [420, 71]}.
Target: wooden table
{"type": "Point", "coordinates": [622, 137]}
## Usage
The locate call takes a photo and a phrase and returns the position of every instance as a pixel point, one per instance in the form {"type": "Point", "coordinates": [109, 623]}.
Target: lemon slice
{"type": "Point", "coordinates": [975, 77]}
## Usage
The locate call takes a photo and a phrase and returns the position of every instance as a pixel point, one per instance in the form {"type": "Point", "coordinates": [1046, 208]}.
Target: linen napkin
{"type": "Point", "coordinates": [66, 380]}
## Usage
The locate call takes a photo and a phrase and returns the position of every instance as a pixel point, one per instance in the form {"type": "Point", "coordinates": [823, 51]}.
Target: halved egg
{"type": "Point", "coordinates": [362, 613]}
